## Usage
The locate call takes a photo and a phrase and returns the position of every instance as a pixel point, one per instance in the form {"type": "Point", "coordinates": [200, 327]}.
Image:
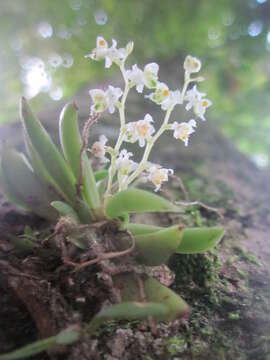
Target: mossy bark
{"type": "Point", "coordinates": [227, 288]}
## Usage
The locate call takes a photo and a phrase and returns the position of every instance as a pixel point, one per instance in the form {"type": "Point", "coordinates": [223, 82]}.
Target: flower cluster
{"type": "Point", "coordinates": [110, 54]}
{"type": "Point", "coordinates": [143, 130]}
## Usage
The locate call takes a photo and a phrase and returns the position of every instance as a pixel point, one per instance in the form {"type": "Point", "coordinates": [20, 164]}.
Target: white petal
{"type": "Point", "coordinates": [103, 139]}
{"type": "Point", "coordinates": [139, 88]}
{"type": "Point", "coordinates": [152, 67]}
{"type": "Point", "coordinates": [148, 118]}
{"type": "Point", "coordinates": [192, 123]}
{"type": "Point", "coordinates": [111, 108]}
{"type": "Point", "coordinates": [96, 92]}
{"type": "Point", "coordinates": [108, 62]}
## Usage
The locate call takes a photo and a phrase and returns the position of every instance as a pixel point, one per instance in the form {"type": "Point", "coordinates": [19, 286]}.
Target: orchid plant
{"type": "Point", "coordinates": [63, 188]}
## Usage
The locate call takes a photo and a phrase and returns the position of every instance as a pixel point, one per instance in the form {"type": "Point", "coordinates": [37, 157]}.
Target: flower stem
{"type": "Point", "coordinates": [118, 144]}
{"type": "Point", "coordinates": [148, 149]}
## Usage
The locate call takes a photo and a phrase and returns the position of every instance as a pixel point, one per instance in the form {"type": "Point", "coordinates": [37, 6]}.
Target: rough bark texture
{"type": "Point", "coordinates": [214, 172]}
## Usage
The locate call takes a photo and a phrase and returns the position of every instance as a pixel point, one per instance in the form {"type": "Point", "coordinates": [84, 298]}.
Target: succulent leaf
{"type": "Point", "coordinates": [198, 240]}
{"type": "Point", "coordinates": [71, 144]}
{"type": "Point", "coordinates": [65, 337]}
{"type": "Point", "coordinates": [136, 201]}
{"type": "Point", "coordinates": [48, 153]}
{"type": "Point", "coordinates": [155, 248]}
{"type": "Point", "coordinates": [128, 311]}
{"type": "Point", "coordinates": [65, 210]}
{"type": "Point", "coordinates": [101, 174]}
{"type": "Point", "coordinates": [26, 186]}
{"type": "Point", "coordinates": [141, 229]}
{"type": "Point", "coordinates": [154, 292]}
{"type": "Point", "coordinates": [40, 169]}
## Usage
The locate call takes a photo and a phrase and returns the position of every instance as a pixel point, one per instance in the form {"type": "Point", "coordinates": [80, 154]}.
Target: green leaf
{"type": "Point", "coordinates": [39, 168]}
{"type": "Point", "coordinates": [154, 292]}
{"type": "Point", "coordinates": [155, 248]}
{"type": "Point", "coordinates": [65, 337]}
{"type": "Point", "coordinates": [90, 190]}
{"type": "Point", "coordinates": [48, 153]}
{"type": "Point", "coordinates": [71, 144]}
{"type": "Point", "coordinates": [136, 201]}
{"type": "Point", "coordinates": [65, 210]}
{"type": "Point", "coordinates": [25, 185]}
{"type": "Point", "coordinates": [101, 186]}
{"type": "Point", "coordinates": [23, 245]}
{"type": "Point", "coordinates": [141, 229]}
{"type": "Point", "coordinates": [101, 174]}
{"type": "Point", "coordinates": [128, 311]}
{"type": "Point", "coordinates": [10, 192]}
{"type": "Point", "coordinates": [199, 239]}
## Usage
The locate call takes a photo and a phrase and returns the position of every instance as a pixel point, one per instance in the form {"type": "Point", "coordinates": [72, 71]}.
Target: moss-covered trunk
{"type": "Point", "coordinates": [227, 288]}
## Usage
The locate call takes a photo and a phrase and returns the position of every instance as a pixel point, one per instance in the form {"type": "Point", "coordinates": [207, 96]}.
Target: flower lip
{"type": "Point", "coordinates": [158, 175]}
{"type": "Point", "coordinates": [182, 131]}
{"type": "Point", "coordinates": [192, 64]}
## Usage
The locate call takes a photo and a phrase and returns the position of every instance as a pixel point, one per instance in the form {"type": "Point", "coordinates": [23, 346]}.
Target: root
{"type": "Point", "coordinates": [201, 204]}
{"type": "Point", "coordinates": [109, 255]}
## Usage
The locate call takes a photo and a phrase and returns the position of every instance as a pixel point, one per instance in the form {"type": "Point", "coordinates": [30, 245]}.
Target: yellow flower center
{"type": "Point", "coordinates": [101, 42]}
{"type": "Point", "coordinates": [165, 93]}
{"type": "Point", "coordinates": [205, 103]}
{"type": "Point", "coordinates": [143, 130]}
{"type": "Point", "coordinates": [183, 135]}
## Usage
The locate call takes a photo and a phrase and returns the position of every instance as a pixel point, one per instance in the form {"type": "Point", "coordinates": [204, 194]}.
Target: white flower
{"type": "Point", "coordinates": [148, 77]}
{"type": "Point", "coordinates": [183, 130]}
{"type": "Point", "coordinates": [144, 129]}
{"type": "Point", "coordinates": [99, 99]}
{"type": "Point", "coordinates": [136, 77]}
{"type": "Point", "coordinates": [112, 96]}
{"type": "Point", "coordinates": [139, 130]}
{"type": "Point", "coordinates": [201, 106]}
{"type": "Point", "coordinates": [174, 98]}
{"type": "Point", "coordinates": [158, 175]}
{"type": "Point", "coordinates": [110, 54]}
{"type": "Point", "coordinates": [101, 49]}
{"type": "Point", "coordinates": [192, 64]}
{"type": "Point", "coordinates": [193, 96]}
{"type": "Point", "coordinates": [151, 75]}
{"type": "Point", "coordinates": [104, 100]}
{"type": "Point", "coordinates": [131, 133]}
{"type": "Point", "coordinates": [161, 93]}
{"type": "Point", "coordinates": [98, 148]}
{"type": "Point", "coordinates": [124, 165]}
{"type": "Point", "coordinates": [115, 55]}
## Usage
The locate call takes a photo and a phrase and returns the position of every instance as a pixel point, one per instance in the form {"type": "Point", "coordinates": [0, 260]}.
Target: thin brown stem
{"type": "Point", "coordinates": [182, 186]}
{"type": "Point", "coordinates": [110, 255]}
{"type": "Point", "coordinates": [91, 121]}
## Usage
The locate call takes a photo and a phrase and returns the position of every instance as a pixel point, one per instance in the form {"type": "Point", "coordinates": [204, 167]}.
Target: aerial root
{"type": "Point", "coordinates": [100, 257]}
{"type": "Point", "coordinates": [199, 203]}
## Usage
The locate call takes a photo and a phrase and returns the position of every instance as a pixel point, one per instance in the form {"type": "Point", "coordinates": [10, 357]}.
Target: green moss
{"type": "Point", "coordinates": [246, 256]}
{"type": "Point", "coordinates": [234, 316]}
{"type": "Point", "coordinates": [199, 269]}
{"type": "Point", "coordinates": [243, 275]}
{"type": "Point", "coordinates": [176, 345]}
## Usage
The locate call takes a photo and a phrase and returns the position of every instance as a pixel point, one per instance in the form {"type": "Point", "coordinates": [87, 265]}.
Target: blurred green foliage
{"type": "Point", "coordinates": [231, 37]}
